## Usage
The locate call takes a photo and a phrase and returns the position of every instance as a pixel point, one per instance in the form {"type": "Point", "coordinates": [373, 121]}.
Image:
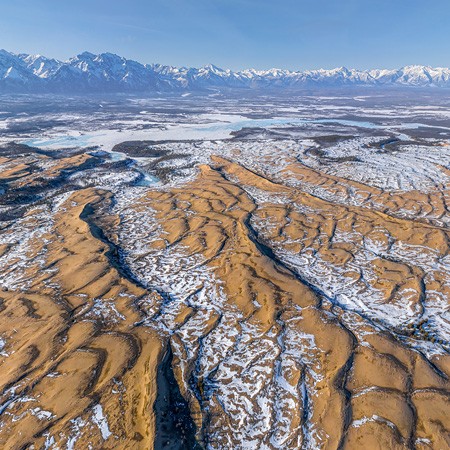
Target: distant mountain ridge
{"type": "Point", "coordinates": [108, 72]}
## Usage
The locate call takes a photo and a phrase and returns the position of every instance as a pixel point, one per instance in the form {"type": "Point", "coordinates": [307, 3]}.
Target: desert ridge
{"type": "Point", "coordinates": [228, 309]}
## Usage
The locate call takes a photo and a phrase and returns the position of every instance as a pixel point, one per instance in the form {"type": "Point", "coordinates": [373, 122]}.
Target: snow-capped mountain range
{"type": "Point", "coordinates": [107, 72]}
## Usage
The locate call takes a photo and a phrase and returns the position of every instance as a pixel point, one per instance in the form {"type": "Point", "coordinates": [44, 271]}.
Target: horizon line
{"type": "Point", "coordinates": [210, 64]}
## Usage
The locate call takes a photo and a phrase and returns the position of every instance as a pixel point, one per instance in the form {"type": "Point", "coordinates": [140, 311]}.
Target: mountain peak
{"type": "Point", "coordinates": [108, 72]}
{"type": "Point", "coordinates": [86, 55]}
{"type": "Point", "coordinates": [212, 68]}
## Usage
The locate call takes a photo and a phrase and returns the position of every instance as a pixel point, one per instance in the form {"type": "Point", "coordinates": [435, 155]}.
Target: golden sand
{"type": "Point", "coordinates": [375, 393]}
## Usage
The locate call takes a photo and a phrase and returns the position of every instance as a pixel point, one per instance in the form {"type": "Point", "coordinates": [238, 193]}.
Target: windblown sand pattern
{"type": "Point", "coordinates": [262, 298]}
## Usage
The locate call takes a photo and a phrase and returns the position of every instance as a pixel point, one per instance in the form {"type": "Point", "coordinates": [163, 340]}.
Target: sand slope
{"type": "Point", "coordinates": [233, 311]}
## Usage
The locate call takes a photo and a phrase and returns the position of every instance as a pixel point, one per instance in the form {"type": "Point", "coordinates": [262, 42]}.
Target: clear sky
{"type": "Point", "coordinates": [236, 34]}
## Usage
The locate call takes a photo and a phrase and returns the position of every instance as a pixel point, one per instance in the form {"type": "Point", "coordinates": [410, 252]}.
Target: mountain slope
{"type": "Point", "coordinates": [107, 72]}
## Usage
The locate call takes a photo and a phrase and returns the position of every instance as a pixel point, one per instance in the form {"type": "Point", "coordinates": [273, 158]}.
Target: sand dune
{"type": "Point", "coordinates": [230, 311]}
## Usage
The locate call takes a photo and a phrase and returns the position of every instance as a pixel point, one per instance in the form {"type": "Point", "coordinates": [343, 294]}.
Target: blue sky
{"type": "Point", "coordinates": [236, 34]}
